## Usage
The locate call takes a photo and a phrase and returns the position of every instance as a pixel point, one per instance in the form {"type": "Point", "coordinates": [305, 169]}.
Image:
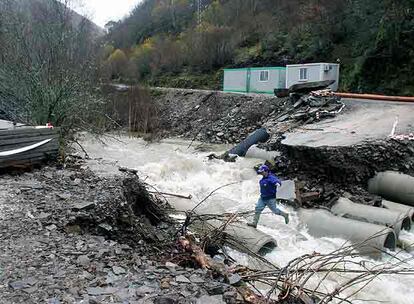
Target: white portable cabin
{"type": "Point", "coordinates": [309, 72]}
{"type": "Point", "coordinates": [254, 80]}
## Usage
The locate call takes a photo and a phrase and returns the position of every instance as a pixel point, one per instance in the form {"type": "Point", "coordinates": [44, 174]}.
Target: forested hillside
{"type": "Point", "coordinates": [186, 43]}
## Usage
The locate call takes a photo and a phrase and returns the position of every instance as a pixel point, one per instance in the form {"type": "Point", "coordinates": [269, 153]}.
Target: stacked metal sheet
{"type": "Point", "coordinates": [22, 146]}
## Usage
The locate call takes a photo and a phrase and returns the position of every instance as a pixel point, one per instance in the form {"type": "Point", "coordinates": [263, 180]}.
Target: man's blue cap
{"type": "Point", "coordinates": [263, 168]}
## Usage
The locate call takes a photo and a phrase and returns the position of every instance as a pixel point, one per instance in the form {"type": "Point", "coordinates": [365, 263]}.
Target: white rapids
{"type": "Point", "coordinates": [171, 166]}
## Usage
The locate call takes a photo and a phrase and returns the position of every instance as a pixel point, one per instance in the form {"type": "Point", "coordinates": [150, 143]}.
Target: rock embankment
{"type": "Point", "coordinates": [215, 117]}
{"type": "Point", "coordinates": [69, 236]}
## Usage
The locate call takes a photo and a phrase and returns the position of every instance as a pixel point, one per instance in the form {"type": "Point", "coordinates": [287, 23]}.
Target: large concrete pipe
{"type": "Point", "coordinates": [248, 237]}
{"type": "Point", "coordinates": [259, 135]}
{"type": "Point", "coordinates": [253, 239]}
{"type": "Point", "coordinates": [370, 214]}
{"type": "Point", "coordinates": [371, 239]}
{"type": "Point", "coordinates": [393, 186]}
{"type": "Point", "coordinates": [399, 207]}
{"type": "Point", "coordinates": [255, 152]}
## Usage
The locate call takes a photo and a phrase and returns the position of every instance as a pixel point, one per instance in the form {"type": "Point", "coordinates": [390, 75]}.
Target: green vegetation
{"type": "Point", "coordinates": [166, 42]}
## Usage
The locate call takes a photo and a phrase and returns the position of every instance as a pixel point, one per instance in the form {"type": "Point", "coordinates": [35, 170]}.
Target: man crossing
{"type": "Point", "coordinates": [268, 189]}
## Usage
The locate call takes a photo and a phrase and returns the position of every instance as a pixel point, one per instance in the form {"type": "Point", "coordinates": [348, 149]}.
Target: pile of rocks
{"type": "Point", "coordinates": [350, 165]}
{"type": "Point", "coordinates": [215, 117]}
{"type": "Point", "coordinates": [49, 255]}
{"type": "Point", "coordinates": [315, 106]}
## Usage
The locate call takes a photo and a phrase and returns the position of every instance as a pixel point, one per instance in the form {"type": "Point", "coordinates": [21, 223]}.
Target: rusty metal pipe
{"type": "Point", "coordinates": [375, 97]}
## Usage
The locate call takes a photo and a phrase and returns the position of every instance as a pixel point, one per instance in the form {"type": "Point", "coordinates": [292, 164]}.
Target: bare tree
{"type": "Point", "coordinates": [48, 63]}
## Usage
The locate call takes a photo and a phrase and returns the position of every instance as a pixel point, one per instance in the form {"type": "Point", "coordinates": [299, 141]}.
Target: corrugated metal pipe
{"type": "Point", "coordinates": [259, 135]}
{"type": "Point", "coordinates": [371, 239]}
{"type": "Point", "coordinates": [375, 97]}
{"type": "Point", "coordinates": [393, 186]}
{"type": "Point", "coordinates": [396, 220]}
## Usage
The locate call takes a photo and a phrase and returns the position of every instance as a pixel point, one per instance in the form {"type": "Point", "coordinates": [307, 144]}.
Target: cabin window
{"type": "Point", "coordinates": [264, 76]}
{"type": "Point", "coordinates": [303, 74]}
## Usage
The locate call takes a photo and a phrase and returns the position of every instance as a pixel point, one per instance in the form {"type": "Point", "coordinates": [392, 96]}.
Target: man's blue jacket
{"type": "Point", "coordinates": [268, 186]}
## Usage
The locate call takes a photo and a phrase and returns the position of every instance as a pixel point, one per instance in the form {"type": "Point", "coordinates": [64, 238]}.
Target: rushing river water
{"type": "Point", "coordinates": [171, 166]}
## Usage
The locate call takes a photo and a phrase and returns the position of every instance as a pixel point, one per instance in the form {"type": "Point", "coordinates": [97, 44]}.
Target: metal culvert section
{"type": "Point", "coordinates": [259, 135]}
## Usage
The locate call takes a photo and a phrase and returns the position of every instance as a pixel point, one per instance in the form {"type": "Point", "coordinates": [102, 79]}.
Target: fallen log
{"type": "Point", "coordinates": [188, 245]}
{"type": "Point", "coordinates": [128, 170]}
{"type": "Point", "coordinates": [172, 194]}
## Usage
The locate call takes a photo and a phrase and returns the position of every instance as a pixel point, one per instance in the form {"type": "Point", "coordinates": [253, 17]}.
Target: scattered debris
{"type": "Point", "coordinates": [308, 87]}
{"type": "Point", "coordinates": [225, 156]}
{"type": "Point", "coordinates": [403, 137]}
{"type": "Point", "coordinates": [230, 118]}
{"type": "Point", "coordinates": [83, 206]}
{"type": "Point", "coordinates": [394, 126]}
{"type": "Point", "coordinates": [315, 106]}
{"type": "Point", "coordinates": [225, 118]}
{"type": "Point", "coordinates": [118, 270]}
{"type": "Point", "coordinates": [83, 260]}
{"type": "Point", "coordinates": [189, 196]}
{"type": "Point", "coordinates": [182, 279]}
{"type": "Point", "coordinates": [287, 191]}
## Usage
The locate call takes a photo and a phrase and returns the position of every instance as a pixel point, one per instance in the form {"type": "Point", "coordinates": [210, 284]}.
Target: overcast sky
{"type": "Point", "coordinates": [102, 11]}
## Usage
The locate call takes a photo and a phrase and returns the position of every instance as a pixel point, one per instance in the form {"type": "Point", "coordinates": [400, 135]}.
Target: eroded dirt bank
{"type": "Point", "coordinates": [69, 236]}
